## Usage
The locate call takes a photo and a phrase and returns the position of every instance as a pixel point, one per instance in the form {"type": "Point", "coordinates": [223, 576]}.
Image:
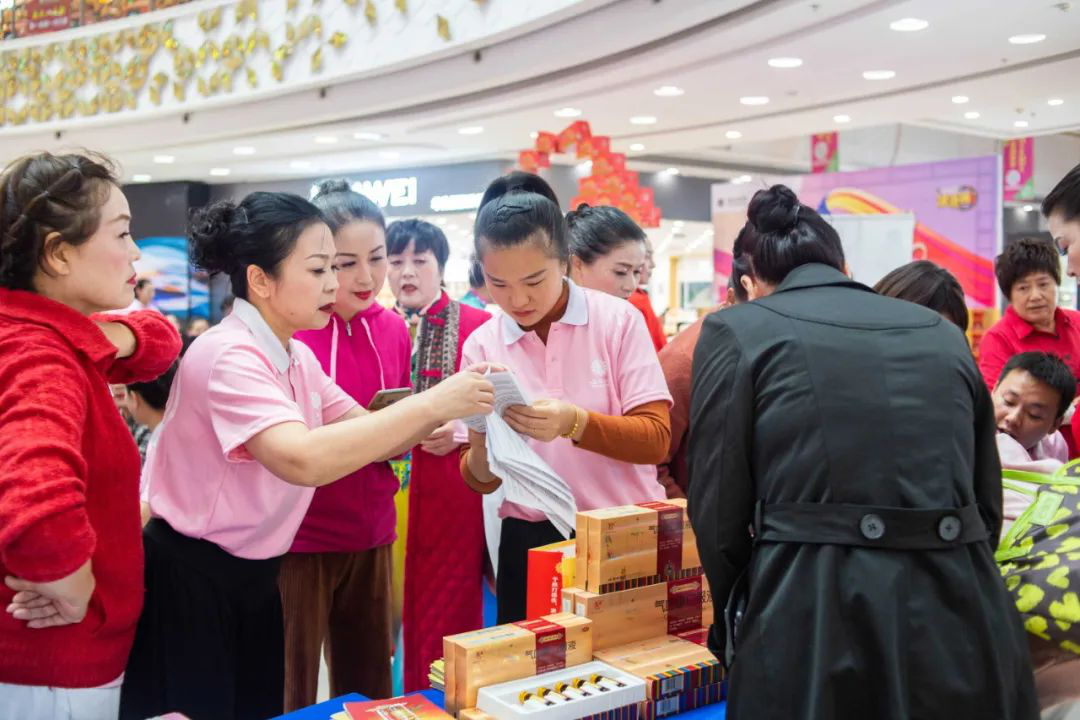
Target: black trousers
{"type": "Point", "coordinates": [210, 642]}
{"type": "Point", "coordinates": [518, 537]}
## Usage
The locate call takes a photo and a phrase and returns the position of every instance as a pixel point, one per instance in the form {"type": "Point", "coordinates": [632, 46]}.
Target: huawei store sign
{"type": "Point", "coordinates": [391, 192]}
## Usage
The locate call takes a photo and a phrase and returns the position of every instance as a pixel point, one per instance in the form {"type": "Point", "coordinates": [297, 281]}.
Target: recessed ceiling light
{"type": "Point", "coordinates": [1020, 123]}
{"type": "Point", "coordinates": [643, 120]}
{"type": "Point", "coordinates": [141, 177]}
{"type": "Point", "coordinates": [389, 154]}
{"type": "Point", "coordinates": [636, 147]}
{"type": "Point", "coordinates": [243, 150]}
{"type": "Point", "coordinates": [669, 91]}
{"type": "Point", "coordinates": [1029, 208]}
{"type": "Point", "coordinates": [841, 118]}
{"type": "Point", "coordinates": [300, 164]}
{"type": "Point", "coordinates": [972, 115]}
{"type": "Point", "coordinates": [568, 112]}
{"type": "Point", "coordinates": [364, 135]}
{"type": "Point", "coordinates": [754, 100]}
{"type": "Point", "coordinates": [1027, 39]}
{"type": "Point", "coordinates": [441, 222]}
{"type": "Point", "coordinates": [164, 159]}
{"type": "Point", "coordinates": [1054, 102]}
{"type": "Point", "coordinates": [470, 130]}
{"type": "Point", "coordinates": [785, 62]}
{"type": "Point", "coordinates": [879, 74]}
{"type": "Point", "coordinates": [909, 25]}
{"type": "Point", "coordinates": [733, 134]}
{"type": "Point", "coordinates": [672, 171]}
{"type": "Point", "coordinates": [219, 172]}
{"type": "Point", "coordinates": [741, 180]}
{"type": "Point", "coordinates": [534, 134]}
{"type": "Point", "coordinates": [960, 99]}
{"type": "Point", "coordinates": [326, 139]}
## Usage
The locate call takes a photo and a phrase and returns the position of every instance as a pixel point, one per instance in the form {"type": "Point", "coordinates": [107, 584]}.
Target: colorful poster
{"type": "Point", "coordinates": [824, 152]}
{"type": "Point", "coordinates": [956, 204]}
{"type": "Point", "coordinates": [44, 16]}
{"type": "Point", "coordinates": [179, 289]}
{"type": "Point", "coordinates": [1018, 169]}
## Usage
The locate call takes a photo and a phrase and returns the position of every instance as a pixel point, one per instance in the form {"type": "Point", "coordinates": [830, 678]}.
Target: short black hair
{"type": "Point", "coordinates": [423, 235]}
{"type": "Point", "coordinates": [932, 286]}
{"type": "Point", "coordinates": [788, 235]}
{"type": "Point", "coordinates": [740, 262]}
{"type": "Point", "coordinates": [596, 231]}
{"type": "Point", "coordinates": [342, 205]}
{"type": "Point", "coordinates": [262, 229]}
{"type": "Point", "coordinates": [1065, 197]}
{"type": "Point", "coordinates": [476, 273]}
{"type": "Point", "coordinates": [1048, 369]}
{"type": "Point", "coordinates": [520, 208]}
{"type": "Point", "coordinates": [1023, 257]}
{"type": "Point", "coordinates": [156, 392]}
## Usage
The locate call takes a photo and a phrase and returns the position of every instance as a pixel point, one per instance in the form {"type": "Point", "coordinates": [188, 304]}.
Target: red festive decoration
{"type": "Point", "coordinates": [610, 183]}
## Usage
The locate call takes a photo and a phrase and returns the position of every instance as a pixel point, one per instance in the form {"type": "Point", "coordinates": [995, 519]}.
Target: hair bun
{"type": "Point", "coordinates": [518, 182]}
{"type": "Point", "coordinates": [209, 236]}
{"type": "Point", "coordinates": [335, 185]}
{"type": "Point", "coordinates": [578, 213]}
{"type": "Point", "coordinates": [775, 210]}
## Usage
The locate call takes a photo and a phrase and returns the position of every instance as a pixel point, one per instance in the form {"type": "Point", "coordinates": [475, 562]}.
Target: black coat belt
{"type": "Point", "coordinates": [869, 526]}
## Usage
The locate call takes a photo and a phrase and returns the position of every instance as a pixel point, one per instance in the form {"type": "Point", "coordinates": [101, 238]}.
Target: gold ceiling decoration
{"type": "Point", "coordinates": [111, 72]}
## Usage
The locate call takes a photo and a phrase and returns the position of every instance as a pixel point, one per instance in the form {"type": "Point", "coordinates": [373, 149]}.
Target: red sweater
{"type": "Point", "coordinates": [69, 482]}
{"type": "Point", "coordinates": [640, 299]}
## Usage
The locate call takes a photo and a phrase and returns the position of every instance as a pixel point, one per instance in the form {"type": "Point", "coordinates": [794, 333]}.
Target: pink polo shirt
{"type": "Point", "coordinates": [600, 357]}
{"type": "Point", "coordinates": [235, 381]}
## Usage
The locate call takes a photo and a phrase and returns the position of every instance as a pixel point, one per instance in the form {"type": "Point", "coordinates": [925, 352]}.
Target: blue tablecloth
{"type": "Point", "coordinates": [323, 711]}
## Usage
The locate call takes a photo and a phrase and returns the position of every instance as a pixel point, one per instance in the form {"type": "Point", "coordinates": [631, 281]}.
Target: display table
{"type": "Point", "coordinates": [323, 711]}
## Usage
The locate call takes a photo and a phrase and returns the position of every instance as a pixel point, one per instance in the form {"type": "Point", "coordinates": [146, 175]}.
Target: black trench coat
{"type": "Point", "coordinates": [854, 434]}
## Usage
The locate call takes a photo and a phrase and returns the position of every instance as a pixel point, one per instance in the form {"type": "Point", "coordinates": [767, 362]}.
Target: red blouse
{"type": "Point", "coordinates": [69, 482]}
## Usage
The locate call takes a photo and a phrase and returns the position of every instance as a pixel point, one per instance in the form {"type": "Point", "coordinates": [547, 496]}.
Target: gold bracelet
{"type": "Point", "coordinates": [577, 423]}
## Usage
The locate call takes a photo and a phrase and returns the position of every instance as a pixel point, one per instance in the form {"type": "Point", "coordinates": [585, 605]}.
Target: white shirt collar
{"type": "Point", "coordinates": [264, 336]}
{"type": "Point", "coordinates": [577, 313]}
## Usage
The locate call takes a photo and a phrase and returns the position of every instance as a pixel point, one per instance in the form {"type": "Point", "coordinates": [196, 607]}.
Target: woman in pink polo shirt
{"type": "Point", "coordinates": [600, 415]}
{"type": "Point", "coordinates": [252, 427]}
{"type": "Point", "coordinates": [335, 581]}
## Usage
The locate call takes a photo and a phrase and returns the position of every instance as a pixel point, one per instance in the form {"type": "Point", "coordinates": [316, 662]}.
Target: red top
{"type": "Point", "coordinates": [1012, 334]}
{"type": "Point", "coordinates": [69, 482]}
{"type": "Point", "coordinates": [640, 299]}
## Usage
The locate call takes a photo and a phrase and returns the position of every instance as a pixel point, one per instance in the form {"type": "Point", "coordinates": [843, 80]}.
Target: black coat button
{"type": "Point", "coordinates": [872, 526]}
{"type": "Point", "coordinates": [949, 527]}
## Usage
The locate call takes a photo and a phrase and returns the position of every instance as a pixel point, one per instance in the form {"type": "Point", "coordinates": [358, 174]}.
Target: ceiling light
{"type": "Point", "coordinates": [568, 112]}
{"type": "Point", "coordinates": [1021, 123]}
{"type": "Point", "coordinates": [960, 99]}
{"type": "Point", "coordinates": [326, 139]}
{"type": "Point", "coordinates": [841, 118]}
{"type": "Point", "coordinates": [754, 100]}
{"type": "Point", "coordinates": [1027, 39]}
{"type": "Point", "coordinates": [1029, 208]}
{"type": "Point", "coordinates": [909, 25]}
{"type": "Point", "coordinates": [785, 62]}
{"type": "Point", "coordinates": [672, 171]}
{"type": "Point", "coordinates": [741, 180]}
{"type": "Point", "coordinates": [972, 115]}
{"type": "Point", "coordinates": [441, 222]}
{"type": "Point", "coordinates": [219, 172]}
{"type": "Point", "coordinates": [669, 91]}
{"type": "Point", "coordinates": [471, 130]}
{"type": "Point", "coordinates": [372, 136]}
{"type": "Point", "coordinates": [879, 74]}
{"type": "Point", "coordinates": [1054, 102]}
{"type": "Point", "coordinates": [300, 164]}
{"type": "Point", "coordinates": [636, 147]}
{"type": "Point", "coordinates": [643, 120]}
{"type": "Point", "coordinates": [140, 177]}
{"type": "Point", "coordinates": [164, 159]}
{"type": "Point", "coordinates": [243, 150]}
{"type": "Point", "coordinates": [534, 134]}
{"type": "Point", "coordinates": [389, 154]}
{"type": "Point", "coordinates": [733, 134]}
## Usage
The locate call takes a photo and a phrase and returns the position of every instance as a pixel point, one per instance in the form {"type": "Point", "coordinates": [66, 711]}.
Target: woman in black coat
{"type": "Point", "coordinates": [853, 436]}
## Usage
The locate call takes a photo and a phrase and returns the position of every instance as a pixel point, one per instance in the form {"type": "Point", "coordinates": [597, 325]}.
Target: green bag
{"type": "Point", "coordinates": [1039, 557]}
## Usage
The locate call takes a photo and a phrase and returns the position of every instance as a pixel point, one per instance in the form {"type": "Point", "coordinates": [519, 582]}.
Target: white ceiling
{"type": "Point", "coordinates": [716, 51]}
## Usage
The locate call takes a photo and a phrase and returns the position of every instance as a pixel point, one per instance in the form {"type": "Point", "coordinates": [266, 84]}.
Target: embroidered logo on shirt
{"type": "Point", "coordinates": [316, 400]}
{"type": "Point", "coordinates": [599, 373]}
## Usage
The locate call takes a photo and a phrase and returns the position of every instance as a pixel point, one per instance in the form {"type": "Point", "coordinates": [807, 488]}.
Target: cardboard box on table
{"type": "Point", "coordinates": [551, 569]}
{"type": "Point", "coordinates": [682, 702]}
{"type": "Point", "coordinates": [509, 652]}
{"type": "Point", "coordinates": [629, 546]}
{"type": "Point", "coordinates": [669, 665]}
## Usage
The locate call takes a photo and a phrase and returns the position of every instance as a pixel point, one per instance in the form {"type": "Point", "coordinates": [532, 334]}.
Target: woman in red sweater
{"type": "Point", "coordinates": [70, 536]}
